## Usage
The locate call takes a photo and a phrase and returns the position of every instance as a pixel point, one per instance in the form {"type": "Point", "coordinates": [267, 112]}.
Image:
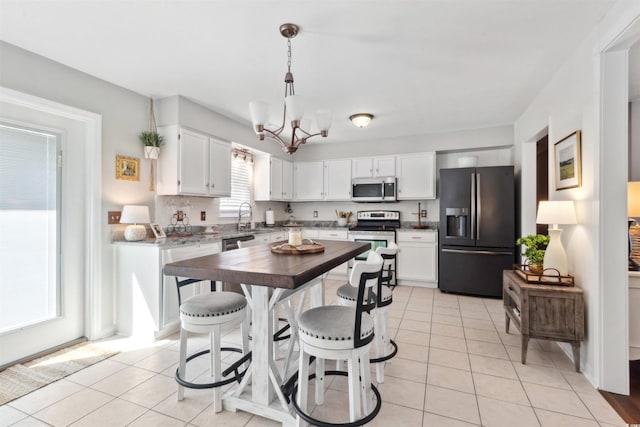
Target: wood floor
{"type": "Point", "coordinates": [628, 406]}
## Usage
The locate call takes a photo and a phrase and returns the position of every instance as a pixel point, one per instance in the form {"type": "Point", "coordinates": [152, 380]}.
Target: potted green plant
{"type": "Point", "coordinates": [152, 142]}
{"type": "Point", "coordinates": [535, 246]}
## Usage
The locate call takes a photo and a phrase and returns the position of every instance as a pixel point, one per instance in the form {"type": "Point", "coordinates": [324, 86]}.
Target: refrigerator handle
{"type": "Point", "coordinates": [479, 206]}
{"type": "Point", "coordinates": [473, 206]}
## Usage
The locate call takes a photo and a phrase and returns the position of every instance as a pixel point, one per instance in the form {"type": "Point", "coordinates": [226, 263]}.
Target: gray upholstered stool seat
{"type": "Point", "coordinates": [332, 326]}
{"type": "Point", "coordinates": [212, 305]}
{"type": "Point", "coordinates": [350, 293]}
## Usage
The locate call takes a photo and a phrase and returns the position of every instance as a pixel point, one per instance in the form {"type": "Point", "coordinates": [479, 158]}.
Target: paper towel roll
{"type": "Point", "coordinates": [269, 217]}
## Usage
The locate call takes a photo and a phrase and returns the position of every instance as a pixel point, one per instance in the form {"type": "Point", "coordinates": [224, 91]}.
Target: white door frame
{"type": "Point", "coordinates": [612, 71]}
{"type": "Point", "coordinates": [92, 124]}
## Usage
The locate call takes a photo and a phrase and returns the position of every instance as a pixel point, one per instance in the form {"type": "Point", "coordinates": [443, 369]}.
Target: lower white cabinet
{"type": "Point", "coordinates": [343, 269]}
{"type": "Point", "coordinates": [146, 299]}
{"type": "Point", "coordinates": [271, 237]}
{"type": "Point", "coordinates": [418, 257]}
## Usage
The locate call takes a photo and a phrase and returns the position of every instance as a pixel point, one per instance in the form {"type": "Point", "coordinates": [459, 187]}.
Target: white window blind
{"type": "Point", "coordinates": [241, 187]}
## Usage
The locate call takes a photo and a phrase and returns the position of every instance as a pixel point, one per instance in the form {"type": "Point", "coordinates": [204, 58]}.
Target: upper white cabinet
{"type": "Point", "coordinates": [416, 174]}
{"type": "Point", "coordinates": [272, 178]}
{"type": "Point", "coordinates": [328, 180]}
{"type": "Point", "coordinates": [366, 167]}
{"type": "Point", "coordinates": [308, 180]}
{"type": "Point", "coordinates": [193, 163]}
{"type": "Point", "coordinates": [337, 179]}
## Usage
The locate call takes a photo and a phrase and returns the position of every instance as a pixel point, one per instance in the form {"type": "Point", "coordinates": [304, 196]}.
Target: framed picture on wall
{"type": "Point", "coordinates": [127, 168]}
{"type": "Point", "coordinates": [568, 162]}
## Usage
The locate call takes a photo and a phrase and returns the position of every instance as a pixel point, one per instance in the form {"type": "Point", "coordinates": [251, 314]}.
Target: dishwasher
{"type": "Point", "coordinates": [229, 244]}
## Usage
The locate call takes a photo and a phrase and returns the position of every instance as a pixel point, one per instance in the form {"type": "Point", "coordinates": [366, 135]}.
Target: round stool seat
{"type": "Point", "coordinates": [350, 293]}
{"type": "Point", "coordinates": [212, 304]}
{"type": "Point", "coordinates": [331, 327]}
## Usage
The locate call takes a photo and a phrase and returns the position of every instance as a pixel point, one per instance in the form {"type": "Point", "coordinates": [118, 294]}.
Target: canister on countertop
{"type": "Point", "coordinates": [269, 220]}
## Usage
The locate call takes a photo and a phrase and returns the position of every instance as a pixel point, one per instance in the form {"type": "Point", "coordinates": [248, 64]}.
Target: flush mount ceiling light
{"type": "Point", "coordinates": [361, 119]}
{"type": "Point", "coordinates": [292, 108]}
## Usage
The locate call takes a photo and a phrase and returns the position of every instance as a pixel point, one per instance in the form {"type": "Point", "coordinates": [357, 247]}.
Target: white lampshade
{"type": "Point", "coordinates": [556, 212]}
{"type": "Point", "coordinates": [324, 118]}
{"type": "Point", "coordinates": [259, 111]}
{"type": "Point", "coordinates": [633, 199]}
{"type": "Point", "coordinates": [135, 215]}
{"type": "Point", "coordinates": [295, 109]}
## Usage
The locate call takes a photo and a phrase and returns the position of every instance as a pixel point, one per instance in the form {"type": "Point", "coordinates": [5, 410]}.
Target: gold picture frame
{"type": "Point", "coordinates": [127, 168]}
{"type": "Point", "coordinates": [568, 162]}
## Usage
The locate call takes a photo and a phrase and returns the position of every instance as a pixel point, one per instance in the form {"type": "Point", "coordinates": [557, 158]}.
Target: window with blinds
{"type": "Point", "coordinates": [241, 187]}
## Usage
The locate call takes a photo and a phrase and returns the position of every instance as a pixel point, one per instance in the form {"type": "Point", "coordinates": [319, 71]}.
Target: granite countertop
{"type": "Point", "coordinates": [198, 236]}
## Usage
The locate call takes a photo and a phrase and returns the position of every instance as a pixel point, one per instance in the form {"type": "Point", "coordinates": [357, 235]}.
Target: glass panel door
{"type": "Point", "coordinates": [29, 228]}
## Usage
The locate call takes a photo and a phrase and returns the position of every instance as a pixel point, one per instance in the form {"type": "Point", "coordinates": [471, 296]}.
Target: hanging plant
{"type": "Point", "coordinates": [152, 141]}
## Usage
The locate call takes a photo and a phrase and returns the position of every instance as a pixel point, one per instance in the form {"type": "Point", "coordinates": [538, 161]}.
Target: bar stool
{"type": "Point", "coordinates": [212, 313]}
{"type": "Point", "coordinates": [386, 348]}
{"type": "Point", "coordinates": [341, 333]}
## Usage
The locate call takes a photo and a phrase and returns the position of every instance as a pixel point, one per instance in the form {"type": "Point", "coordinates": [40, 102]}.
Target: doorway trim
{"type": "Point", "coordinates": [92, 124]}
{"type": "Point", "coordinates": [612, 72]}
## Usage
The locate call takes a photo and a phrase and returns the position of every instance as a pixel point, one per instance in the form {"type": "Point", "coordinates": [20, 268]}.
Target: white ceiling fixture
{"type": "Point", "coordinates": [293, 108]}
{"type": "Point", "coordinates": [361, 119]}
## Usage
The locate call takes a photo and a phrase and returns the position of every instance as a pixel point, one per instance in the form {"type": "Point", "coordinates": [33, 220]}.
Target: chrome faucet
{"type": "Point", "coordinates": [246, 225]}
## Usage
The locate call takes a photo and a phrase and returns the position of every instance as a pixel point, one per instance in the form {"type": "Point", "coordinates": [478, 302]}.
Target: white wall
{"type": "Point", "coordinates": [634, 140]}
{"type": "Point", "coordinates": [570, 101]}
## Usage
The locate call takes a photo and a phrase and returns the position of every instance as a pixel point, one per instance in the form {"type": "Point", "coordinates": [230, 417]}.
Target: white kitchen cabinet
{"type": "Point", "coordinates": [333, 234]}
{"type": "Point", "coordinates": [418, 257]}
{"type": "Point", "coordinates": [272, 178]}
{"type": "Point", "coordinates": [367, 167]}
{"type": "Point", "coordinates": [416, 176]}
{"type": "Point", "coordinates": [308, 181]}
{"type": "Point", "coordinates": [193, 163]}
{"type": "Point", "coordinates": [337, 180]}
{"type": "Point", "coordinates": [146, 299]}
{"type": "Point", "coordinates": [287, 180]}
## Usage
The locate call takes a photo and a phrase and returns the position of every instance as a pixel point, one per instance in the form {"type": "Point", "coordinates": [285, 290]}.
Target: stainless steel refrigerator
{"type": "Point", "coordinates": [477, 229]}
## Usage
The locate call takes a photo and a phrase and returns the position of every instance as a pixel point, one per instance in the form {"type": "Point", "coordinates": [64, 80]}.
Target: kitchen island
{"type": "Point", "coordinates": [266, 271]}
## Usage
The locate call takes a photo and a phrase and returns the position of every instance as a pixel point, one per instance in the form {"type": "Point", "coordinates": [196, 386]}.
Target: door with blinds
{"type": "Point", "coordinates": [41, 292]}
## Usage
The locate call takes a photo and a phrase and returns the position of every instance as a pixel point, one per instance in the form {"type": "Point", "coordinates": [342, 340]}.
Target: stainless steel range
{"type": "Point", "coordinates": [375, 227]}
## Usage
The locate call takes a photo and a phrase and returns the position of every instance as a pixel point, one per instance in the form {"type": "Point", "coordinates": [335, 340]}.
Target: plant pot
{"type": "Point", "coordinates": [151, 152]}
{"type": "Point", "coordinates": [536, 267]}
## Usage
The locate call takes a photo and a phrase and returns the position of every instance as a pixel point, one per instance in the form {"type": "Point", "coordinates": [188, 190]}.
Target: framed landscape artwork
{"type": "Point", "coordinates": [568, 163]}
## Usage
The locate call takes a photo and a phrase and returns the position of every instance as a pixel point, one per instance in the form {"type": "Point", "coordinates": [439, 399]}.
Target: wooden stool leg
{"type": "Point", "coordinates": [303, 384]}
{"type": "Point", "coordinates": [353, 368]}
{"type": "Point", "coordinates": [216, 367]}
{"type": "Point", "coordinates": [182, 367]}
{"type": "Point", "coordinates": [380, 343]}
{"type": "Point", "coordinates": [319, 381]}
{"type": "Point", "coordinates": [365, 382]}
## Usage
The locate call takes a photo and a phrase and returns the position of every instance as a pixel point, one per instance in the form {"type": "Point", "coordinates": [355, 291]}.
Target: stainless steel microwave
{"type": "Point", "coordinates": [379, 189]}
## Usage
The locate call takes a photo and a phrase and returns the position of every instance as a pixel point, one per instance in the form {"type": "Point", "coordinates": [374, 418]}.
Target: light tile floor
{"type": "Point", "coordinates": [455, 367]}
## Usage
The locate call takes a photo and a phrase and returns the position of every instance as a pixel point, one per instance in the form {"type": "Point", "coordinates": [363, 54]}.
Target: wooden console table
{"type": "Point", "coordinates": [547, 312]}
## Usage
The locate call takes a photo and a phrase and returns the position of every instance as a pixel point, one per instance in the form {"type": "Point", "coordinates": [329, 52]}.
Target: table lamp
{"type": "Point", "coordinates": [136, 216]}
{"type": "Point", "coordinates": [554, 213]}
{"type": "Point", "coordinates": [633, 208]}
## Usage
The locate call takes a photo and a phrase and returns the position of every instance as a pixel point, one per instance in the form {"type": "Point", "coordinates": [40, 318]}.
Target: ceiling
{"type": "Point", "coordinates": [419, 66]}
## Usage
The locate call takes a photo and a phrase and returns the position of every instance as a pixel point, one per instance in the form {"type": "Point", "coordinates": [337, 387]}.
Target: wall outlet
{"type": "Point", "coordinates": [315, 214]}
{"type": "Point", "coordinates": [203, 215]}
{"type": "Point", "coordinates": [423, 213]}
{"type": "Point", "coordinates": [113, 217]}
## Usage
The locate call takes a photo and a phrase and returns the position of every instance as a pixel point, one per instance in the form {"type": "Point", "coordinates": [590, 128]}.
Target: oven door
{"type": "Point", "coordinates": [376, 239]}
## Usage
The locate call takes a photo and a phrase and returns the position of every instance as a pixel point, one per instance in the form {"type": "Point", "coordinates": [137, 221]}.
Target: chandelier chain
{"type": "Point", "coordinates": [289, 55]}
